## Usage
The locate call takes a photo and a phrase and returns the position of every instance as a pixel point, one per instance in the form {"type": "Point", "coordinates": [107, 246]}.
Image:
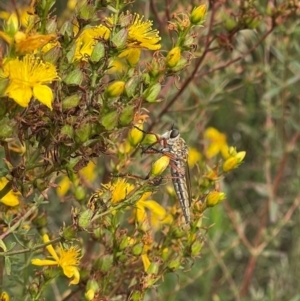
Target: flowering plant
{"type": "Point", "coordinates": [80, 92]}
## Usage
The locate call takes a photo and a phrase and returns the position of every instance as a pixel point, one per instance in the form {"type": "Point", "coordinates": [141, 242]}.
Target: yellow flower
{"type": "Point", "coordinates": [158, 214]}
{"type": "Point", "coordinates": [119, 190]}
{"type": "Point", "coordinates": [88, 173]}
{"type": "Point", "coordinates": [194, 157]}
{"type": "Point", "coordinates": [141, 35]}
{"type": "Point", "coordinates": [28, 78]}
{"type": "Point", "coordinates": [11, 198]}
{"type": "Point", "coordinates": [173, 57]}
{"type": "Point", "coordinates": [67, 259]}
{"type": "Point", "coordinates": [86, 42]}
{"type": "Point", "coordinates": [217, 143]}
{"type": "Point", "coordinates": [63, 186]}
{"type": "Point", "coordinates": [73, 4]}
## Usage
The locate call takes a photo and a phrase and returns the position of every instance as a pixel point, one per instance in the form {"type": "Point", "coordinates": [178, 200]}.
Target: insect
{"type": "Point", "coordinates": [175, 147]}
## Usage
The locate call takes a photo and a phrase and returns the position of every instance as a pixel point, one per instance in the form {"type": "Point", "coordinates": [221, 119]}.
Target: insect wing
{"type": "Point", "coordinates": [188, 180]}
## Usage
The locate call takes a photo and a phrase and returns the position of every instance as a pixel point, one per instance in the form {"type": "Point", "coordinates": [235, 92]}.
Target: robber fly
{"type": "Point", "coordinates": [175, 147]}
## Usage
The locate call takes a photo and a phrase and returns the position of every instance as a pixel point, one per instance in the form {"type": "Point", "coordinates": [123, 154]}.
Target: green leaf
{"type": "Point", "coordinates": [7, 266]}
{"type": "Point", "coordinates": [110, 120]}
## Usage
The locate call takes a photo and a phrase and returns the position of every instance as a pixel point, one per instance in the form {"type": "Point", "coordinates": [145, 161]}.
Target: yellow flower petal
{"type": "Point", "coordinates": [30, 43]}
{"type": "Point", "coordinates": [21, 95]}
{"type": "Point", "coordinates": [76, 276]}
{"type": "Point", "coordinates": [194, 157]}
{"type": "Point", "coordinates": [146, 261]}
{"type": "Point", "coordinates": [132, 56]}
{"type": "Point", "coordinates": [42, 262]}
{"type": "Point", "coordinates": [154, 207]}
{"type": "Point", "coordinates": [141, 214]}
{"type": "Point", "coordinates": [44, 94]}
{"type": "Point", "coordinates": [63, 186]}
{"type": "Point", "coordinates": [11, 198]}
{"type": "Point", "coordinates": [49, 247]}
{"type": "Point", "coordinates": [88, 172]}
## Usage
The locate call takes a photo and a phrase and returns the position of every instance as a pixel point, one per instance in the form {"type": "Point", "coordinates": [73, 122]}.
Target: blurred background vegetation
{"type": "Point", "coordinates": [248, 88]}
{"type": "Point", "coordinates": [244, 81]}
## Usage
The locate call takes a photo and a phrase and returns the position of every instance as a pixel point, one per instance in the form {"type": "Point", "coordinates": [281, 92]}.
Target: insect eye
{"type": "Point", "coordinates": [174, 133]}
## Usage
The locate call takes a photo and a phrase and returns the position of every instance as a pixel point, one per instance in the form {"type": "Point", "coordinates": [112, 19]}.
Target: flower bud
{"type": "Point", "coordinates": [173, 57]}
{"type": "Point", "coordinates": [151, 93]}
{"type": "Point", "coordinates": [135, 136]}
{"type": "Point", "coordinates": [159, 166]}
{"type": "Point", "coordinates": [124, 243]}
{"type": "Point", "coordinates": [214, 197]}
{"type": "Point", "coordinates": [197, 16]}
{"type": "Point", "coordinates": [178, 233]}
{"type": "Point", "coordinates": [92, 285]}
{"type": "Point", "coordinates": [126, 115]}
{"type": "Point", "coordinates": [33, 289]}
{"type": "Point", "coordinates": [69, 233]}
{"type": "Point", "coordinates": [120, 38]}
{"type": "Point", "coordinates": [85, 218]}
{"type": "Point", "coordinates": [149, 139]}
{"type": "Point", "coordinates": [98, 52]}
{"type": "Point", "coordinates": [4, 296]}
{"type": "Point", "coordinates": [136, 296]}
{"type": "Point", "coordinates": [82, 133]}
{"type": "Point", "coordinates": [196, 248]}
{"type": "Point", "coordinates": [234, 161]}
{"type": "Point", "coordinates": [165, 254]}
{"type": "Point", "coordinates": [70, 102]}
{"type": "Point", "coordinates": [75, 78]}
{"type": "Point", "coordinates": [174, 264]}
{"type": "Point", "coordinates": [240, 156]}
{"type": "Point", "coordinates": [12, 24]}
{"type": "Point", "coordinates": [115, 89]}
{"type": "Point", "coordinates": [105, 263]}
{"type": "Point", "coordinates": [89, 295]}
{"type": "Point", "coordinates": [137, 249]}
{"type": "Point", "coordinates": [153, 268]}
{"type": "Point", "coordinates": [132, 85]}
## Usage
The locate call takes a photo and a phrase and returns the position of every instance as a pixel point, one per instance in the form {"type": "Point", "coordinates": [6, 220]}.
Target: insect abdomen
{"type": "Point", "coordinates": [181, 190]}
